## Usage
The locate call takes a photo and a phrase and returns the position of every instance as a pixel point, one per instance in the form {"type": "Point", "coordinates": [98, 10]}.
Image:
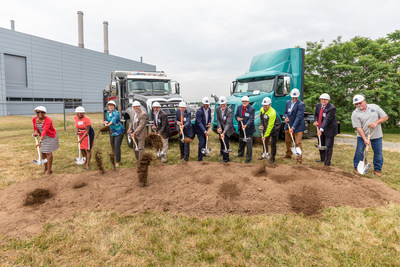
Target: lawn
{"type": "Point", "coordinates": [339, 236]}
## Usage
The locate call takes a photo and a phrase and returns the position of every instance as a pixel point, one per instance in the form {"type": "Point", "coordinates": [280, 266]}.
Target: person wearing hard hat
{"type": "Point", "coordinates": [161, 126]}
{"type": "Point", "coordinates": [117, 130]}
{"type": "Point", "coordinates": [85, 132]}
{"type": "Point", "coordinates": [48, 142]}
{"type": "Point", "coordinates": [225, 126]}
{"type": "Point", "coordinates": [245, 116]}
{"type": "Point", "coordinates": [137, 128]}
{"type": "Point", "coordinates": [270, 126]}
{"type": "Point", "coordinates": [202, 124]}
{"type": "Point", "coordinates": [183, 120]}
{"type": "Point", "coordinates": [294, 117]}
{"type": "Point", "coordinates": [325, 121]}
{"type": "Point", "coordinates": [367, 120]}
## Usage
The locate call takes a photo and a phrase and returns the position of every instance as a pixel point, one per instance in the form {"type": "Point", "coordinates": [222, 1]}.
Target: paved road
{"type": "Point", "coordinates": [351, 140]}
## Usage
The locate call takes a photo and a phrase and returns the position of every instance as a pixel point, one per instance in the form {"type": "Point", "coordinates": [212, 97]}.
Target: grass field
{"type": "Point", "coordinates": [339, 236]}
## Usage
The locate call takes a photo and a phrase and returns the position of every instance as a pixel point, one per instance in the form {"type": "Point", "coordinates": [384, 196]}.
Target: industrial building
{"type": "Point", "coordinates": [36, 71]}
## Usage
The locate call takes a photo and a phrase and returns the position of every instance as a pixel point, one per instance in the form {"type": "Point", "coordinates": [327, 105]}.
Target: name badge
{"type": "Point", "coordinates": [324, 115]}
{"type": "Point", "coordinates": [289, 110]}
{"type": "Point", "coordinates": [136, 120]}
{"type": "Point", "coordinates": [159, 120]}
{"type": "Point", "coordinates": [246, 114]}
{"type": "Point", "coordinates": [184, 119]}
{"type": "Point", "coordinates": [265, 116]}
{"type": "Point", "coordinates": [224, 118]}
{"type": "Point", "coordinates": [80, 122]}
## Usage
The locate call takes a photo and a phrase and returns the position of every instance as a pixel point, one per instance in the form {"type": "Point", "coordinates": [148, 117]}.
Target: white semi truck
{"type": "Point", "coordinates": [145, 87]}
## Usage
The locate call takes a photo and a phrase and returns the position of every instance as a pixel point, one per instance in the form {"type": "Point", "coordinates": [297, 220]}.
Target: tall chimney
{"type": "Point", "coordinates": [80, 29]}
{"type": "Point", "coordinates": [12, 25]}
{"type": "Point", "coordinates": [105, 28]}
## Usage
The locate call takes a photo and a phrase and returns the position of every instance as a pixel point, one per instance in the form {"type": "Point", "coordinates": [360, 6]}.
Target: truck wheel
{"type": "Point", "coordinates": [128, 136]}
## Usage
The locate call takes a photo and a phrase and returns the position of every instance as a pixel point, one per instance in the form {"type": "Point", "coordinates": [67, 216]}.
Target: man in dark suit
{"type": "Point", "coordinates": [245, 113]}
{"type": "Point", "coordinates": [202, 124]}
{"type": "Point", "coordinates": [294, 116]}
{"type": "Point", "coordinates": [325, 120]}
{"type": "Point", "coordinates": [161, 126]}
{"type": "Point", "coordinates": [183, 119]}
{"type": "Point", "coordinates": [225, 126]}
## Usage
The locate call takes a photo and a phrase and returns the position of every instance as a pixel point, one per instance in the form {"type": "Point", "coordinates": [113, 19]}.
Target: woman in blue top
{"type": "Point", "coordinates": [117, 130]}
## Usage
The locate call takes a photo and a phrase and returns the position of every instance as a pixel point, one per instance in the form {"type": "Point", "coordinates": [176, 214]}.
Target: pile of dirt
{"type": "Point", "coordinates": [195, 189]}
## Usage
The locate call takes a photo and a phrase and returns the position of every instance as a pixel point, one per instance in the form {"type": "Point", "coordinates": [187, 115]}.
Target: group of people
{"type": "Point", "coordinates": [366, 119]}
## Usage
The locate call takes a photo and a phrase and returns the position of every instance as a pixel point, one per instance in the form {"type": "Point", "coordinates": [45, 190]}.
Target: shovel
{"type": "Point", "coordinates": [245, 138]}
{"type": "Point", "coordinates": [183, 135]}
{"type": "Point", "coordinates": [159, 153]}
{"type": "Point", "coordinates": [265, 154]}
{"type": "Point", "coordinates": [295, 150]}
{"type": "Point", "coordinates": [319, 146]}
{"type": "Point", "coordinates": [136, 147]}
{"type": "Point", "coordinates": [39, 161]}
{"type": "Point", "coordinates": [206, 150]}
{"type": "Point", "coordinates": [363, 166]}
{"type": "Point", "coordinates": [225, 150]}
{"type": "Point", "coordinates": [81, 160]}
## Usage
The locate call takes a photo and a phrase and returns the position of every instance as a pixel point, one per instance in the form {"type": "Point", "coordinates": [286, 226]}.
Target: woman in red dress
{"type": "Point", "coordinates": [85, 133]}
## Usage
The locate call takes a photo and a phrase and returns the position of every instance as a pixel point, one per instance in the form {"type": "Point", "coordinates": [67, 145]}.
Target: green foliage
{"type": "Point", "coordinates": [359, 66]}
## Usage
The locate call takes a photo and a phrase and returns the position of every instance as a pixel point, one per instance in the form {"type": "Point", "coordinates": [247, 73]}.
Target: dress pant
{"type": "Point", "coordinates": [326, 155]}
{"type": "Point", "coordinates": [225, 156]}
{"type": "Point", "coordinates": [184, 148]}
{"type": "Point", "coordinates": [140, 143]}
{"type": "Point", "coordinates": [242, 145]}
{"type": "Point", "coordinates": [376, 145]}
{"type": "Point", "coordinates": [164, 148]}
{"type": "Point", "coordinates": [202, 144]}
{"type": "Point", "coordinates": [274, 138]}
{"type": "Point", "coordinates": [115, 142]}
{"type": "Point", "coordinates": [297, 139]}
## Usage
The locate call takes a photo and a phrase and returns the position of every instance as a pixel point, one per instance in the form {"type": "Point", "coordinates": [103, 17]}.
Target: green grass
{"type": "Point", "coordinates": [340, 236]}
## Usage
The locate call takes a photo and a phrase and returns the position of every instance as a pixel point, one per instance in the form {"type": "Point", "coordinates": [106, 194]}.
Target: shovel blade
{"type": "Point", "coordinates": [361, 167]}
{"type": "Point", "coordinates": [296, 151]}
{"type": "Point", "coordinates": [246, 140]}
{"type": "Point", "coordinates": [80, 161]}
{"type": "Point", "coordinates": [266, 155]}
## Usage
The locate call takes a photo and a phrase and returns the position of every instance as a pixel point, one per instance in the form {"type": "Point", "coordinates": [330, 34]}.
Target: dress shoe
{"type": "Point", "coordinates": [271, 161]}
{"type": "Point", "coordinates": [319, 160]}
{"type": "Point", "coordinates": [378, 173]}
{"type": "Point", "coordinates": [224, 161]}
{"type": "Point", "coordinates": [185, 162]}
{"type": "Point", "coordinates": [247, 160]}
{"type": "Point", "coordinates": [355, 171]}
{"type": "Point", "coordinates": [239, 156]}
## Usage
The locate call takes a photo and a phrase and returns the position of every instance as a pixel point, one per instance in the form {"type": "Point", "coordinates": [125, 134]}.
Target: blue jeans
{"type": "Point", "coordinates": [376, 145]}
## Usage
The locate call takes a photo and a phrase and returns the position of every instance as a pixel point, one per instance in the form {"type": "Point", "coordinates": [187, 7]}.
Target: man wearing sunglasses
{"type": "Point", "coordinates": [367, 120]}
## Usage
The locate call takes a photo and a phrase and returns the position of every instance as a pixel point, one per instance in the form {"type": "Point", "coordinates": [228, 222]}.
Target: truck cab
{"type": "Point", "coordinates": [272, 74]}
{"type": "Point", "coordinates": [146, 87]}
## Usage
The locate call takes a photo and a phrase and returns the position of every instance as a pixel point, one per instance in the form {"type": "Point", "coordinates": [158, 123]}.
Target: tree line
{"type": "Point", "coordinates": [358, 66]}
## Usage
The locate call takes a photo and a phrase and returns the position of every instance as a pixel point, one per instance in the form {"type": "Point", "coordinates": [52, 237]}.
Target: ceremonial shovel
{"type": "Point", "coordinates": [245, 138]}
{"type": "Point", "coordinates": [206, 150]}
{"type": "Point", "coordinates": [319, 146]}
{"type": "Point", "coordinates": [81, 160]}
{"type": "Point", "coordinates": [40, 161]}
{"type": "Point", "coordinates": [225, 150]}
{"type": "Point", "coordinates": [295, 150]}
{"type": "Point", "coordinates": [363, 166]}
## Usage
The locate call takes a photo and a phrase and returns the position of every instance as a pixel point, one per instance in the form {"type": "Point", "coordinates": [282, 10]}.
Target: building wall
{"type": "Point", "coordinates": [56, 70]}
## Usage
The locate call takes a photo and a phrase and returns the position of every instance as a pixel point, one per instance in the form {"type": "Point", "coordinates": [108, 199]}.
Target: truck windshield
{"type": "Point", "coordinates": [149, 86]}
{"type": "Point", "coordinates": [248, 86]}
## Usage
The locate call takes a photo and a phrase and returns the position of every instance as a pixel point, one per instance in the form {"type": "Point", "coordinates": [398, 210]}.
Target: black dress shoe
{"type": "Point", "coordinates": [239, 156]}
{"type": "Point", "coordinates": [271, 161]}
{"type": "Point", "coordinates": [247, 160]}
{"type": "Point", "coordinates": [224, 161]}
{"type": "Point", "coordinates": [319, 160]}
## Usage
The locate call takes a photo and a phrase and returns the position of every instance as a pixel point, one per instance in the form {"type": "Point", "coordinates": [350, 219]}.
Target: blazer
{"type": "Point", "coordinates": [296, 116]}
{"type": "Point", "coordinates": [225, 122]}
{"type": "Point", "coordinates": [187, 122]}
{"type": "Point", "coordinates": [162, 124]}
{"type": "Point", "coordinates": [329, 124]}
{"type": "Point", "coordinates": [248, 118]}
{"type": "Point", "coordinates": [200, 123]}
{"type": "Point", "coordinates": [47, 127]}
{"type": "Point", "coordinates": [140, 124]}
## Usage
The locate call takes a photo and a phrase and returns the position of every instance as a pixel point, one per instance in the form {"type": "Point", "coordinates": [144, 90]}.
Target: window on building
{"type": "Point", "coordinates": [15, 70]}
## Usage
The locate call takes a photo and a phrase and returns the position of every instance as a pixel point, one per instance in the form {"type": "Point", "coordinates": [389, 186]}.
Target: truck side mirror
{"type": "Point", "coordinates": [286, 85]}
{"type": "Point", "coordinates": [232, 87]}
{"type": "Point", "coordinates": [177, 88]}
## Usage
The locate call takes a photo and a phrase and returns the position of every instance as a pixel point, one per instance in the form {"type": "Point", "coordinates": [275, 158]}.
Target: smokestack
{"type": "Point", "coordinates": [141, 59]}
{"type": "Point", "coordinates": [12, 25]}
{"type": "Point", "coordinates": [105, 28]}
{"type": "Point", "coordinates": [80, 29]}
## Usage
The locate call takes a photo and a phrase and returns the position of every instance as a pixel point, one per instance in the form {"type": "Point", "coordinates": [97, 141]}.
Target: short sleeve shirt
{"type": "Point", "coordinates": [361, 119]}
{"type": "Point", "coordinates": [80, 124]}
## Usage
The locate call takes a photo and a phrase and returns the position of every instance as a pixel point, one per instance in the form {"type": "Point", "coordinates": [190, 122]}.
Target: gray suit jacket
{"type": "Point", "coordinates": [140, 124]}
{"type": "Point", "coordinates": [225, 122]}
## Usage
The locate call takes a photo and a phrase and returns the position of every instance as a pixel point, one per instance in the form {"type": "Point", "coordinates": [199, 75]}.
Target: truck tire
{"type": "Point", "coordinates": [128, 136]}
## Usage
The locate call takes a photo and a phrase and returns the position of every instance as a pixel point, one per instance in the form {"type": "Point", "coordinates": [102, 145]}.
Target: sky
{"type": "Point", "coordinates": [204, 45]}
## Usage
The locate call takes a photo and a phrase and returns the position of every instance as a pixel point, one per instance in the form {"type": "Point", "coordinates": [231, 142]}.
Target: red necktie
{"type": "Point", "coordinates": [320, 116]}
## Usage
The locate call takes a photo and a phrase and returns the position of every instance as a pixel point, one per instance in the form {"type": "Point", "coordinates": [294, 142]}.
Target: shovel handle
{"type": "Point", "coordinates": [369, 138]}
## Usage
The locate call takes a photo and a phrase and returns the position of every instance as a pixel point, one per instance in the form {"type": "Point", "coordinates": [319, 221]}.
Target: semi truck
{"type": "Point", "coordinates": [145, 87]}
{"type": "Point", "coordinates": [272, 74]}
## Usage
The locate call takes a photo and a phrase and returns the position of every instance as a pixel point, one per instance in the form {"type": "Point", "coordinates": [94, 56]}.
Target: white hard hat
{"type": "Point", "coordinates": [205, 101]}
{"type": "Point", "coordinates": [135, 103]}
{"type": "Point", "coordinates": [245, 98]}
{"type": "Point", "coordinates": [40, 108]}
{"type": "Point", "coordinates": [266, 101]}
{"type": "Point", "coordinates": [182, 104]}
{"type": "Point", "coordinates": [222, 100]}
{"type": "Point", "coordinates": [358, 99]}
{"type": "Point", "coordinates": [79, 110]}
{"type": "Point", "coordinates": [111, 102]}
{"type": "Point", "coordinates": [156, 104]}
{"type": "Point", "coordinates": [295, 93]}
{"type": "Point", "coordinates": [325, 96]}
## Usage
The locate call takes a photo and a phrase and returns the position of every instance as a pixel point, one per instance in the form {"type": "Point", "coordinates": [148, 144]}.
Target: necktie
{"type": "Point", "coordinates": [320, 116]}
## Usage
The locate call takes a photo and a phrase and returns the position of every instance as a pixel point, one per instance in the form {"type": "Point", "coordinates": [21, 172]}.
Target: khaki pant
{"type": "Point", "coordinates": [164, 148]}
{"type": "Point", "coordinates": [297, 139]}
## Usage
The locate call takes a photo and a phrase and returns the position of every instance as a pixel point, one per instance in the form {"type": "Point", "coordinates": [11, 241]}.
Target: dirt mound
{"type": "Point", "coordinates": [195, 189]}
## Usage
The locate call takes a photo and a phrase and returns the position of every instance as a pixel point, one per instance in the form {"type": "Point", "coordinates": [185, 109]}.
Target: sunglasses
{"type": "Point", "coordinates": [40, 112]}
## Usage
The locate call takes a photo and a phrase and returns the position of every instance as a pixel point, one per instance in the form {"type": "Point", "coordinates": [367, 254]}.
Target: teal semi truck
{"type": "Point", "coordinates": [272, 74]}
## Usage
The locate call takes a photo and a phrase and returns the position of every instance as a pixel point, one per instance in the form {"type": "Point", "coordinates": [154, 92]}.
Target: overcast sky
{"type": "Point", "coordinates": [204, 44]}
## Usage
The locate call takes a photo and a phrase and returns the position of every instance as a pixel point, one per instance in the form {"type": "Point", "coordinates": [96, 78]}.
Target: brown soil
{"type": "Point", "coordinates": [98, 156]}
{"type": "Point", "coordinates": [104, 130]}
{"type": "Point", "coordinates": [195, 189]}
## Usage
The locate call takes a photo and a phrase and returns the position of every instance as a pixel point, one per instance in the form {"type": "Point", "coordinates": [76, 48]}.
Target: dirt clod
{"type": "Point", "coordinates": [187, 140]}
{"type": "Point", "coordinates": [98, 156]}
{"type": "Point", "coordinates": [38, 196]}
{"type": "Point", "coordinates": [155, 141]}
{"type": "Point", "coordinates": [104, 130]}
{"type": "Point", "coordinates": [142, 169]}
